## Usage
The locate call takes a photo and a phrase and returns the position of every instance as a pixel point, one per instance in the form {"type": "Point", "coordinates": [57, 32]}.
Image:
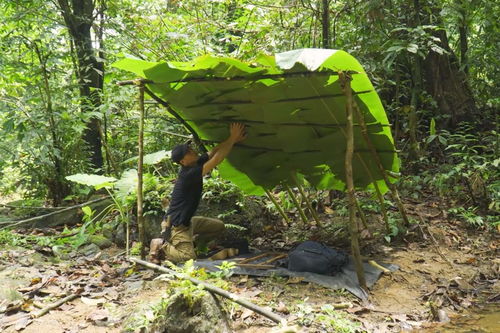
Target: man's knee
{"type": "Point", "coordinates": [180, 253]}
{"type": "Point", "coordinates": [206, 225]}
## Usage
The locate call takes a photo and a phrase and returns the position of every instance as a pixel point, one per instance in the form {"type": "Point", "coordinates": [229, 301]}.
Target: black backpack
{"type": "Point", "coordinates": [315, 257]}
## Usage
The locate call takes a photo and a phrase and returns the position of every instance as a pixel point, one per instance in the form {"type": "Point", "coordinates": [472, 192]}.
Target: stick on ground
{"type": "Point", "coordinates": [54, 305]}
{"type": "Point", "coordinates": [14, 223]}
{"type": "Point", "coordinates": [235, 298]}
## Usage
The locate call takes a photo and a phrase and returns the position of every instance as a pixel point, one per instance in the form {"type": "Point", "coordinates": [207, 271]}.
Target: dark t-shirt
{"type": "Point", "coordinates": [187, 193]}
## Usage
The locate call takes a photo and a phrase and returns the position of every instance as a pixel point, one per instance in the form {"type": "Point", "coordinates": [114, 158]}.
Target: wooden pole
{"type": "Point", "coordinates": [361, 214]}
{"type": "Point", "coordinates": [353, 226]}
{"type": "Point", "coordinates": [140, 215]}
{"type": "Point", "coordinates": [54, 305]}
{"type": "Point", "coordinates": [142, 82]}
{"type": "Point", "coordinates": [278, 207]}
{"type": "Point", "coordinates": [373, 151]}
{"type": "Point", "coordinates": [358, 155]}
{"type": "Point", "coordinates": [380, 198]}
{"type": "Point", "coordinates": [216, 290]}
{"type": "Point", "coordinates": [109, 156]}
{"type": "Point", "coordinates": [33, 220]}
{"type": "Point", "coordinates": [297, 204]}
{"type": "Point", "coordinates": [306, 199]}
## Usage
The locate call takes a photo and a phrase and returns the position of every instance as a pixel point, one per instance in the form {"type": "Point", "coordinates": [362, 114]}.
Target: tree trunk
{"type": "Point", "coordinates": [325, 23]}
{"type": "Point", "coordinates": [79, 16]}
{"type": "Point", "coordinates": [463, 33]}
{"type": "Point", "coordinates": [445, 82]}
{"type": "Point", "coordinates": [57, 187]}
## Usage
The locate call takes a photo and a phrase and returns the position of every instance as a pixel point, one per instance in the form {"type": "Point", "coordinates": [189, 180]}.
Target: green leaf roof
{"type": "Point", "coordinates": [294, 108]}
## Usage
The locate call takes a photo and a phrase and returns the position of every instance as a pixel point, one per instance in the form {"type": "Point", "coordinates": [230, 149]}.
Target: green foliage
{"type": "Point", "coordinates": [226, 270]}
{"type": "Point", "coordinates": [336, 320]}
{"type": "Point", "coordinates": [468, 215]}
{"type": "Point", "coordinates": [88, 213]}
{"type": "Point", "coordinates": [135, 250]}
{"type": "Point", "coordinates": [330, 319]}
{"type": "Point", "coordinates": [217, 189]}
{"type": "Point", "coordinates": [395, 227]}
{"type": "Point", "coordinates": [64, 244]}
{"type": "Point", "coordinates": [7, 237]}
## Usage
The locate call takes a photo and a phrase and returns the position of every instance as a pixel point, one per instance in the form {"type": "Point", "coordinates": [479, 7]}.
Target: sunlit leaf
{"type": "Point", "coordinates": [432, 127]}
{"type": "Point", "coordinates": [90, 180]}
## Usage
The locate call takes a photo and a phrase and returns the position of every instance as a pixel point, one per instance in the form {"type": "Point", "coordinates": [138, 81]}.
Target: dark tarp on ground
{"type": "Point", "coordinates": [346, 279]}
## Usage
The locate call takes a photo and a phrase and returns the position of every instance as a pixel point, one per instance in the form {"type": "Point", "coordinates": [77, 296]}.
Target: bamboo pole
{"type": "Point", "coordinates": [306, 199]}
{"type": "Point", "coordinates": [353, 226]}
{"type": "Point", "coordinates": [140, 215]}
{"type": "Point", "coordinates": [216, 290]}
{"type": "Point", "coordinates": [297, 204]}
{"type": "Point", "coordinates": [373, 151]}
{"type": "Point", "coordinates": [278, 207]}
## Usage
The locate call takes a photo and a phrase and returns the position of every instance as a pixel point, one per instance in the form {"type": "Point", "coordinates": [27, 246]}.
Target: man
{"type": "Point", "coordinates": [186, 196]}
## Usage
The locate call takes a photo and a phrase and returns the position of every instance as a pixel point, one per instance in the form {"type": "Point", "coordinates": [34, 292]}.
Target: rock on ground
{"type": "Point", "coordinates": [204, 316]}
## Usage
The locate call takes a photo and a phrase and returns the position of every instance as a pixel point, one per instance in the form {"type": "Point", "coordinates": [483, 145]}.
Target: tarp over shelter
{"type": "Point", "coordinates": [294, 107]}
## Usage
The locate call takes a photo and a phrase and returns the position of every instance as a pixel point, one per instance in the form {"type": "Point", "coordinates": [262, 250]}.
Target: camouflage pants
{"type": "Point", "coordinates": [180, 247]}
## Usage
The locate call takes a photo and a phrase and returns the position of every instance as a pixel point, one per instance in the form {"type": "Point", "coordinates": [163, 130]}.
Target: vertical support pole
{"type": "Point", "coordinates": [373, 151]}
{"type": "Point", "coordinates": [353, 226]}
{"type": "Point", "coordinates": [306, 199]}
{"type": "Point", "coordinates": [382, 207]}
{"type": "Point", "coordinates": [140, 216]}
{"type": "Point", "coordinates": [361, 214]}
{"type": "Point", "coordinates": [278, 207]}
{"type": "Point", "coordinates": [297, 204]}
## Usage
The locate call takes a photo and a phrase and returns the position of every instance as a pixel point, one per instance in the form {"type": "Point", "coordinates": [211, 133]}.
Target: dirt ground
{"type": "Point", "coordinates": [444, 272]}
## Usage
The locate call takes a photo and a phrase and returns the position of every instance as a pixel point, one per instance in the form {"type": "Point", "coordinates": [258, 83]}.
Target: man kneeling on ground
{"type": "Point", "coordinates": [185, 197]}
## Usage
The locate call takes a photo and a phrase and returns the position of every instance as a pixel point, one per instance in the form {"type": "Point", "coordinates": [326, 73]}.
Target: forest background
{"type": "Point", "coordinates": [433, 62]}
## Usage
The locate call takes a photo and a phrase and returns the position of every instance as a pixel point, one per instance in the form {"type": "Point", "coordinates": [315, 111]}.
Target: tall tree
{"type": "Point", "coordinates": [40, 126]}
{"type": "Point", "coordinates": [445, 80]}
{"type": "Point", "coordinates": [79, 15]}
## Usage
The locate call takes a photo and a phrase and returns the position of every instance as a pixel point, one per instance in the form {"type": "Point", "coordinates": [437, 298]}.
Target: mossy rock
{"type": "Point", "coordinates": [100, 241]}
{"type": "Point", "coordinates": [204, 316]}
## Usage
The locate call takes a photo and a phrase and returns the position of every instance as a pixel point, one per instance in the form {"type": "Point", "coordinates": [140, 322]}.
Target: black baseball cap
{"type": "Point", "coordinates": [179, 152]}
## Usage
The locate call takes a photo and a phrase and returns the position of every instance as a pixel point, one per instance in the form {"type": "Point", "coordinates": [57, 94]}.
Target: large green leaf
{"type": "Point", "coordinates": [91, 180]}
{"type": "Point", "coordinates": [294, 109]}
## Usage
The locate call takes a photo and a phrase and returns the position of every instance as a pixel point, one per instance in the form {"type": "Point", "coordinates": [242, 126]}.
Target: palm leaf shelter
{"type": "Point", "coordinates": [311, 115]}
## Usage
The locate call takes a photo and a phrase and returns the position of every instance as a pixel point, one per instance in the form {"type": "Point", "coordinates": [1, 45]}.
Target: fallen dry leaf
{"type": "Point", "coordinates": [98, 316]}
{"type": "Point", "coordinates": [93, 301]}
{"type": "Point", "coordinates": [295, 279]}
{"type": "Point", "coordinates": [19, 321]}
{"type": "Point", "coordinates": [35, 281]}
{"type": "Point", "coordinates": [282, 308]}
{"type": "Point", "coordinates": [251, 293]}
{"type": "Point", "coordinates": [246, 313]}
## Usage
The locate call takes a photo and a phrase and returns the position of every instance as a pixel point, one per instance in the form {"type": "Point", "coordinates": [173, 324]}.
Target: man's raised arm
{"type": "Point", "coordinates": [219, 153]}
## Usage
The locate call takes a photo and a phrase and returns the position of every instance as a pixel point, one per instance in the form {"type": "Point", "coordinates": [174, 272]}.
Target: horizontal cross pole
{"type": "Point", "coordinates": [249, 77]}
{"type": "Point", "coordinates": [297, 99]}
{"type": "Point", "coordinates": [222, 120]}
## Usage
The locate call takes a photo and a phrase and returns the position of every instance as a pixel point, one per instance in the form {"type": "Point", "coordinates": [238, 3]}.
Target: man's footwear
{"type": "Point", "coordinates": [155, 251]}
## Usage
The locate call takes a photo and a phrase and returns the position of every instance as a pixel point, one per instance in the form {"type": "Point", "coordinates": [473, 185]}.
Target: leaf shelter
{"type": "Point", "coordinates": [299, 110]}
{"type": "Point", "coordinates": [295, 110]}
